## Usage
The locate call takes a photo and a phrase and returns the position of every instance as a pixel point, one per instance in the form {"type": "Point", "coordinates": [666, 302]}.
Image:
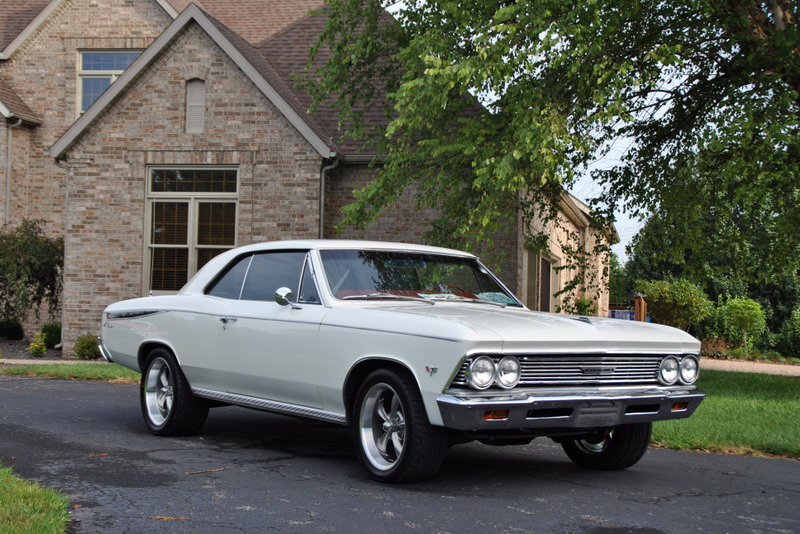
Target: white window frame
{"type": "Point", "coordinates": [193, 199]}
{"type": "Point", "coordinates": [87, 74]}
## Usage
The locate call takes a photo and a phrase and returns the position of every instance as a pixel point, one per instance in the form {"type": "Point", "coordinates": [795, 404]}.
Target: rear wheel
{"type": "Point", "coordinates": [616, 448]}
{"type": "Point", "coordinates": [394, 440]}
{"type": "Point", "coordinates": [168, 406]}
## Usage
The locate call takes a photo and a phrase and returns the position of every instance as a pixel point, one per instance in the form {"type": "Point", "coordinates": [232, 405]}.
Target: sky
{"type": "Point", "coordinates": [627, 227]}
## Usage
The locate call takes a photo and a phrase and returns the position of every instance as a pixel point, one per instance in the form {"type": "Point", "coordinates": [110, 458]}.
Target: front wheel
{"type": "Point", "coordinates": [168, 406]}
{"type": "Point", "coordinates": [394, 440]}
{"type": "Point", "coordinates": [616, 448]}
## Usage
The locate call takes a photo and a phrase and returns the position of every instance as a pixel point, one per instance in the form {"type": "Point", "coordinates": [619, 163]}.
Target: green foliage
{"type": "Point", "coordinates": [747, 317]}
{"type": "Point", "coordinates": [740, 321]}
{"type": "Point", "coordinates": [678, 303]}
{"type": "Point", "coordinates": [619, 286]}
{"type": "Point", "coordinates": [86, 347]}
{"type": "Point", "coordinates": [37, 347]}
{"type": "Point", "coordinates": [52, 334]}
{"type": "Point", "coordinates": [10, 329]}
{"type": "Point", "coordinates": [27, 507]}
{"type": "Point", "coordinates": [704, 94]}
{"type": "Point", "coordinates": [789, 338]}
{"type": "Point", "coordinates": [30, 270]}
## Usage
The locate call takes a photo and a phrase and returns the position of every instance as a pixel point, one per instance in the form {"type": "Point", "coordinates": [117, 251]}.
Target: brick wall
{"type": "Point", "coordinates": [278, 172]}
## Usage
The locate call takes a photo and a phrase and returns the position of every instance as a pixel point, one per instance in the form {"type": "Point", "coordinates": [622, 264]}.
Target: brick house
{"type": "Point", "coordinates": [153, 134]}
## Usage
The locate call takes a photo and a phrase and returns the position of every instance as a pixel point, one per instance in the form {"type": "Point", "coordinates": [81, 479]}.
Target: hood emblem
{"type": "Point", "coordinates": [598, 371]}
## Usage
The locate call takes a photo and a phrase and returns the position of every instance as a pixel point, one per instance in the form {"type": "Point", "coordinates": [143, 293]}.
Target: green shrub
{"type": "Point", "coordinates": [52, 334]}
{"type": "Point", "coordinates": [30, 270]}
{"type": "Point", "coordinates": [788, 342]}
{"type": "Point", "coordinates": [86, 347]}
{"type": "Point", "coordinates": [715, 347]}
{"type": "Point", "coordinates": [10, 329]}
{"type": "Point", "coordinates": [37, 348]}
{"type": "Point", "coordinates": [678, 303]}
{"type": "Point", "coordinates": [740, 321]}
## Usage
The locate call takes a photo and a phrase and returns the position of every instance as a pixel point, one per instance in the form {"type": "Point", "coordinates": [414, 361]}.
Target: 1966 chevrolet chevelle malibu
{"type": "Point", "coordinates": [414, 348]}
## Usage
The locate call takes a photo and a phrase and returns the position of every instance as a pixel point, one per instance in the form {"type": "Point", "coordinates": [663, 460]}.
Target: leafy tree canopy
{"type": "Point", "coordinates": [704, 93]}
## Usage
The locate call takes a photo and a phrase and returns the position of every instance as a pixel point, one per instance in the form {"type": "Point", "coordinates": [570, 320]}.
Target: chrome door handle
{"type": "Point", "coordinates": [226, 320]}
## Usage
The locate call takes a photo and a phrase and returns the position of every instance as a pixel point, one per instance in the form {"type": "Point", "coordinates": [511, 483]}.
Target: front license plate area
{"type": "Point", "coordinates": [597, 414]}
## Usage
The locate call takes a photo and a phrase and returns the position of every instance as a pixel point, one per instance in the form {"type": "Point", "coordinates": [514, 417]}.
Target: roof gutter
{"type": "Point", "coordinates": [323, 173]}
{"type": "Point", "coordinates": [9, 168]}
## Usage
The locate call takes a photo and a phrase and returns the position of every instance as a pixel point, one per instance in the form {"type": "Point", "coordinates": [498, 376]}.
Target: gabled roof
{"type": "Point", "coordinates": [254, 65]}
{"type": "Point", "coordinates": [12, 106]}
{"type": "Point", "coordinates": [20, 19]}
{"type": "Point", "coordinates": [256, 20]}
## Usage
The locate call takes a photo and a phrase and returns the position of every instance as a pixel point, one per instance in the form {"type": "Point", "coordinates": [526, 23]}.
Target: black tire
{"type": "Point", "coordinates": [393, 438]}
{"type": "Point", "coordinates": [618, 448]}
{"type": "Point", "coordinates": [168, 406]}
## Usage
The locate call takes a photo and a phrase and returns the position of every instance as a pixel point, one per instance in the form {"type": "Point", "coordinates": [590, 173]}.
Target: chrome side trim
{"type": "Point", "coordinates": [270, 406]}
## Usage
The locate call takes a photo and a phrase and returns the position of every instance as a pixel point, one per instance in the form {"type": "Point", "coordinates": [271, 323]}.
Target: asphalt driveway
{"type": "Point", "coordinates": [253, 472]}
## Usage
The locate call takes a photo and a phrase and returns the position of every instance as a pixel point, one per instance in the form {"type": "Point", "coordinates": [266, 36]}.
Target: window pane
{"type": "Point", "coordinates": [269, 272]}
{"type": "Point", "coordinates": [230, 285]}
{"type": "Point", "coordinates": [308, 291]}
{"type": "Point", "coordinates": [204, 255]}
{"type": "Point", "coordinates": [170, 269]}
{"type": "Point", "coordinates": [92, 89]}
{"type": "Point", "coordinates": [216, 224]}
{"type": "Point", "coordinates": [113, 61]}
{"type": "Point", "coordinates": [193, 181]}
{"type": "Point", "coordinates": [170, 223]}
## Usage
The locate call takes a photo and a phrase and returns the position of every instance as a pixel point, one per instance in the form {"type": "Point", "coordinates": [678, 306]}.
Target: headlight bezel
{"type": "Point", "coordinates": [517, 370]}
{"type": "Point", "coordinates": [473, 373]}
{"type": "Point", "coordinates": [692, 363]}
{"type": "Point", "coordinates": [672, 365]}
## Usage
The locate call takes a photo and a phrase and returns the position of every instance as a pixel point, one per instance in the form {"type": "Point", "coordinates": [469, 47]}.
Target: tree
{"type": "Point", "coordinates": [678, 303]}
{"type": "Point", "coordinates": [705, 93]}
{"type": "Point", "coordinates": [30, 270]}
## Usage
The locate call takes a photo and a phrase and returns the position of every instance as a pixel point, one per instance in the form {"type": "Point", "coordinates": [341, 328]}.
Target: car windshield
{"type": "Point", "coordinates": [382, 274]}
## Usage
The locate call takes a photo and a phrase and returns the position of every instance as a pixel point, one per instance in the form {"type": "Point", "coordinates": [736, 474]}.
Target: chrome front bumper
{"type": "Point", "coordinates": [103, 352]}
{"type": "Point", "coordinates": [565, 408]}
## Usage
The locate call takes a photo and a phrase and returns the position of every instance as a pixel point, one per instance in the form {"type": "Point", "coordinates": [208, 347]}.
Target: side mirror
{"type": "Point", "coordinates": [284, 297]}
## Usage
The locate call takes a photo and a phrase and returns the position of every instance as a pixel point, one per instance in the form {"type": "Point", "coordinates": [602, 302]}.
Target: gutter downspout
{"type": "Point", "coordinates": [9, 169]}
{"type": "Point", "coordinates": [322, 182]}
{"type": "Point", "coordinates": [61, 165]}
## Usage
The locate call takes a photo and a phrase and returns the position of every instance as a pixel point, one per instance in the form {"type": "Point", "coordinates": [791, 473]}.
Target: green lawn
{"type": "Point", "coordinates": [26, 507]}
{"type": "Point", "coordinates": [104, 372]}
{"type": "Point", "coordinates": [743, 414]}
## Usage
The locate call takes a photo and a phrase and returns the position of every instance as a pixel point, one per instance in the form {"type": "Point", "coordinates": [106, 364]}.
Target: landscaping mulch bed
{"type": "Point", "coordinates": [18, 350]}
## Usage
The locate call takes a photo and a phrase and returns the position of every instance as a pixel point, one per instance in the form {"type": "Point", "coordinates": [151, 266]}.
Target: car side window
{"type": "Point", "coordinates": [229, 285]}
{"type": "Point", "coordinates": [308, 289]}
{"type": "Point", "coordinates": [271, 271]}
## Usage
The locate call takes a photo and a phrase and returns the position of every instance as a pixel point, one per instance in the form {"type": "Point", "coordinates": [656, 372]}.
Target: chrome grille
{"type": "Point", "coordinates": [560, 369]}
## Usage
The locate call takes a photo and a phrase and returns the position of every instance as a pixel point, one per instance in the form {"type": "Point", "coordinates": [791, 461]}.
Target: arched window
{"type": "Point", "coordinates": [195, 105]}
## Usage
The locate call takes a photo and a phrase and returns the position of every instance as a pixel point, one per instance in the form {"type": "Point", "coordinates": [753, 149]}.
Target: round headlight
{"type": "Point", "coordinates": [508, 372]}
{"type": "Point", "coordinates": [668, 373]}
{"type": "Point", "coordinates": [480, 374]}
{"type": "Point", "coordinates": [690, 369]}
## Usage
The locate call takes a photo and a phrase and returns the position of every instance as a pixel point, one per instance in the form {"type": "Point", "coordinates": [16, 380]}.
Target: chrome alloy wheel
{"type": "Point", "coordinates": [382, 426]}
{"type": "Point", "coordinates": [596, 445]}
{"type": "Point", "coordinates": [158, 391]}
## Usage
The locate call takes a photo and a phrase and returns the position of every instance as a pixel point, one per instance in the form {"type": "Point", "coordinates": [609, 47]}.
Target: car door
{"type": "Point", "coordinates": [269, 350]}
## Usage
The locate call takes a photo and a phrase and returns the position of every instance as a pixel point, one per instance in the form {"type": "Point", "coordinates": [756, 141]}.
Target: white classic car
{"type": "Point", "coordinates": [415, 348]}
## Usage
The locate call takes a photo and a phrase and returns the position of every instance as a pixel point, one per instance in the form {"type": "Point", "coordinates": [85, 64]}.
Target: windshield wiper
{"type": "Point", "coordinates": [388, 296]}
{"type": "Point", "coordinates": [456, 298]}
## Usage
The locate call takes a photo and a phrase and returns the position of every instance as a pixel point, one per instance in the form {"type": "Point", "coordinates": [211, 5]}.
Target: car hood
{"type": "Point", "coordinates": [524, 330]}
